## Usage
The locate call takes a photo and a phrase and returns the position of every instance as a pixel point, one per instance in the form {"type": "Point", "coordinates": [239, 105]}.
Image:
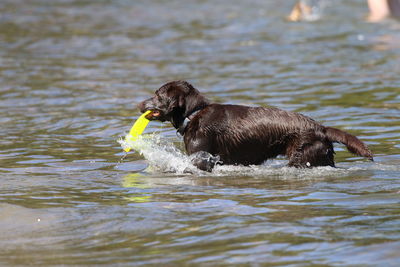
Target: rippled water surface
{"type": "Point", "coordinates": [71, 75]}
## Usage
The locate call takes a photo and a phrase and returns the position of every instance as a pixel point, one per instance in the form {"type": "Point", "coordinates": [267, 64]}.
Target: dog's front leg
{"type": "Point", "coordinates": [199, 150]}
{"type": "Point", "coordinates": [204, 160]}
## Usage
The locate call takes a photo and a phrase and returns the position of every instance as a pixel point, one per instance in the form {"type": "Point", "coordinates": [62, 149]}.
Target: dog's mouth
{"type": "Point", "coordinates": [154, 115]}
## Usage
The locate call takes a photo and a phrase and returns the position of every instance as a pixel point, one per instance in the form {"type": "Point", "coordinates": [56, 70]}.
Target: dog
{"type": "Point", "coordinates": [243, 135]}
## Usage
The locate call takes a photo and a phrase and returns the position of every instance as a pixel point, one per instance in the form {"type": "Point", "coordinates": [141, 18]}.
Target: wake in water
{"type": "Point", "coordinates": [163, 156]}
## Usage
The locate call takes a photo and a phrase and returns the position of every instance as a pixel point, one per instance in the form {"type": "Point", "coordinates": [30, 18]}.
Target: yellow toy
{"type": "Point", "coordinates": [137, 129]}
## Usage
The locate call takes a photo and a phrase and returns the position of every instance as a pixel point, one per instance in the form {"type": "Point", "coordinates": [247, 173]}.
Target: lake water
{"type": "Point", "coordinates": [71, 75]}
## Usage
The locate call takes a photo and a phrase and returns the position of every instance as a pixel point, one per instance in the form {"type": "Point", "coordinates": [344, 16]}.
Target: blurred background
{"type": "Point", "coordinates": [72, 73]}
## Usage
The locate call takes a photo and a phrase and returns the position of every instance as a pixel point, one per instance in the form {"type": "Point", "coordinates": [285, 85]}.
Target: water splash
{"type": "Point", "coordinates": [163, 156]}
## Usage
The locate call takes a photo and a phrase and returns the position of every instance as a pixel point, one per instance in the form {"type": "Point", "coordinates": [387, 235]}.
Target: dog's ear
{"type": "Point", "coordinates": [181, 101]}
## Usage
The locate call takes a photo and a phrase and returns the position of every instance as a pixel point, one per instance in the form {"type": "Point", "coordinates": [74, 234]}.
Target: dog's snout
{"type": "Point", "coordinates": [146, 105]}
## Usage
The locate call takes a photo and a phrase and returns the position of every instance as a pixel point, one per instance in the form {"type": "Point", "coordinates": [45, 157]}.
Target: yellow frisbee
{"type": "Point", "coordinates": [137, 129]}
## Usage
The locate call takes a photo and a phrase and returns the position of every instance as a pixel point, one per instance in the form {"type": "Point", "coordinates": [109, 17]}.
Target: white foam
{"type": "Point", "coordinates": [278, 169]}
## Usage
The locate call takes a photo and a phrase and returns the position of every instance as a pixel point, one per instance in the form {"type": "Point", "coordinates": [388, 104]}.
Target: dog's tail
{"type": "Point", "coordinates": [353, 144]}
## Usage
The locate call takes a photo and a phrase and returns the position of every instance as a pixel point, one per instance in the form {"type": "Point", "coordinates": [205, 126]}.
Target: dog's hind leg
{"type": "Point", "coordinates": [314, 150]}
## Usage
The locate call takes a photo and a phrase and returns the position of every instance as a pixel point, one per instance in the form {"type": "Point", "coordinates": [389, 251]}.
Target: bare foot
{"type": "Point", "coordinates": [300, 11]}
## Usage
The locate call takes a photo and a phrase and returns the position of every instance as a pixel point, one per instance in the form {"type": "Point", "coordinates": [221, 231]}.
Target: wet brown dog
{"type": "Point", "coordinates": [235, 134]}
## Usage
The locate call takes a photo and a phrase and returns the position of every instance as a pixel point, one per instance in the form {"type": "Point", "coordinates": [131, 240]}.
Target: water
{"type": "Point", "coordinates": [71, 75]}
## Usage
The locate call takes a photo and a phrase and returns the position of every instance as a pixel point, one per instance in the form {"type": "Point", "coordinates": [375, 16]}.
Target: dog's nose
{"type": "Point", "coordinates": [141, 106]}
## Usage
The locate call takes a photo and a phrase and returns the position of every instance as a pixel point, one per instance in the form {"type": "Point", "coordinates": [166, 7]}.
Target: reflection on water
{"type": "Point", "coordinates": [71, 75]}
{"type": "Point", "coordinates": [387, 42]}
{"type": "Point", "coordinates": [132, 180]}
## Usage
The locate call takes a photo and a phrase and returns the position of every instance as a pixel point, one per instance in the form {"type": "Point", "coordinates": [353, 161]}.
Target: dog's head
{"type": "Point", "coordinates": [173, 102]}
